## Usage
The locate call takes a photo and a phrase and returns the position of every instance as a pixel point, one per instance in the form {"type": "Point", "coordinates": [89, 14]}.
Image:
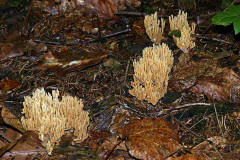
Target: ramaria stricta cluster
{"type": "Point", "coordinates": [151, 73]}
{"type": "Point", "coordinates": [51, 117]}
{"type": "Point", "coordinates": [184, 42]}
{"type": "Point", "coordinates": [153, 29]}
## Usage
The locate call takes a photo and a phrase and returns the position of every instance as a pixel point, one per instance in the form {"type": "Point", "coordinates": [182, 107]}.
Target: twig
{"type": "Point", "coordinates": [85, 42]}
{"type": "Point", "coordinates": [218, 119]}
{"type": "Point", "coordinates": [141, 114]}
{"type": "Point", "coordinates": [167, 111]}
{"type": "Point", "coordinates": [125, 77]}
{"type": "Point", "coordinates": [130, 13]}
{"type": "Point", "coordinates": [213, 39]}
{"type": "Point", "coordinates": [136, 14]}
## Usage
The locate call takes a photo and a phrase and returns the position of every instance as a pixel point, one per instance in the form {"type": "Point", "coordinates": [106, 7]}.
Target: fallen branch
{"type": "Point", "coordinates": [85, 42]}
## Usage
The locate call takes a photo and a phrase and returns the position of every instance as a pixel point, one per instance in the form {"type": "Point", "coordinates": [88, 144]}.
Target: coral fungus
{"type": "Point", "coordinates": [151, 73]}
{"type": "Point", "coordinates": [51, 117]}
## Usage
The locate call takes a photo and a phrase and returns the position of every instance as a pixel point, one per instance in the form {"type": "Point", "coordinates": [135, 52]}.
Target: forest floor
{"type": "Point", "coordinates": [91, 57]}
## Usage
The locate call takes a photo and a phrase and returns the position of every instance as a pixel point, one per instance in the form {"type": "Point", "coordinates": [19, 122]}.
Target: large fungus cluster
{"type": "Point", "coordinates": [151, 73]}
{"type": "Point", "coordinates": [51, 117]}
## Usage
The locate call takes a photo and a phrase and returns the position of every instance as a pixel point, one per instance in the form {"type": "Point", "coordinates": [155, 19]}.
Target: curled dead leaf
{"type": "Point", "coordinates": [62, 60]}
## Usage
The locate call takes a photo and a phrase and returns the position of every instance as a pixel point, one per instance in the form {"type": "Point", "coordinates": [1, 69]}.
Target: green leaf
{"type": "Point", "coordinates": [176, 33]}
{"type": "Point", "coordinates": [229, 16]}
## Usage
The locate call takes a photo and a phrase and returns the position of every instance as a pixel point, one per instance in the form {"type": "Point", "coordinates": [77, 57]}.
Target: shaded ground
{"type": "Point", "coordinates": [203, 93]}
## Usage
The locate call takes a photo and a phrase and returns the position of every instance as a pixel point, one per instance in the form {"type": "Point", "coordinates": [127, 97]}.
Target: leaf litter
{"type": "Point", "coordinates": [86, 50]}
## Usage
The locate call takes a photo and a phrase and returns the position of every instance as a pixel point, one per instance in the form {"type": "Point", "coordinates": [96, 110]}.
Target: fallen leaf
{"type": "Point", "coordinates": [8, 135]}
{"type": "Point", "coordinates": [225, 86]}
{"type": "Point", "coordinates": [138, 28]}
{"type": "Point", "coordinates": [120, 155]}
{"type": "Point", "coordinates": [111, 63]}
{"type": "Point", "coordinates": [119, 119]}
{"type": "Point", "coordinates": [104, 143]}
{"type": "Point", "coordinates": [109, 146]}
{"type": "Point", "coordinates": [27, 147]}
{"type": "Point", "coordinates": [108, 8]}
{"type": "Point", "coordinates": [104, 8]}
{"type": "Point", "coordinates": [207, 151]}
{"type": "Point", "coordinates": [11, 119]}
{"type": "Point", "coordinates": [8, 85]}
{"type": "Point", "coordinates": [187, 156]}
{"type": "Point", "coordinates": [10, 50]}
{"type": "Point", "coordinates": [187, 70]}
{"type": "Point", "coordinates": [150, 138]}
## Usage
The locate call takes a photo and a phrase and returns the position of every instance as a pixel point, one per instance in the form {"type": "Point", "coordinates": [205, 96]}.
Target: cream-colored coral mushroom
{"type": "Point", "coordinates": [151, 73]}
{"type": "Point", "coordinates": [153, 29]}
{"type": "Point", "coordinates": [185, 42]}
{"type": "Point", "coordinates": [51, 117]}
{"type": "Point", "coordinates": [179, 21]}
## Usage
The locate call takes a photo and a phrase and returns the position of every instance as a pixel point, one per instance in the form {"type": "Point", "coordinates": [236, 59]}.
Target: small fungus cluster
{"type": "Point", "coordinates": [51, 117]}
{"type": "Point", "coordinates": [152, 23]}
{"type": "Point", "coordinates": [185, 42]}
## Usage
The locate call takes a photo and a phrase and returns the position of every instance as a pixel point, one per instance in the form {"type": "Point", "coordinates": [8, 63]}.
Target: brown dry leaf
{"type": "Point", "coordinates": [107, 8]}
{"type": "Point", "coordinates": [112, 63]}
{"type": "Point", "coordinates": [12, 47]}
{"type": "Point", "coordinates": [224, 86]}
{"type": "Point", "coordinates": [8, 136]}
{"type": "Point", "coordinates": [103, 7]}
{"type": "Point", "coordinates": [95, 138]}
{"type": "Point", "coordinates": [207, 151]}
{"type": "Point", "coordinates": [119, 119]}
{"type": "Point", "coordinates": [10, 50]}
{"type": "Point", "coordinates": [138, 27]}
{"type": "Point", "coordinates": [187, 157]}
{"type": "Point", "coordinates": [104, 144]}
{"type": "Point", "coordinates": [11, 119]}
{"type": "Point", "coordinates": [110, 145]}
{"type": "Point", "coordinates": [28, 147]}
{"type": "Point", "coordinates": [150, 138]}
{"type": "Point", "coordinates": [203, 74]}
{"type": "Point", "coordinates": [186, 72]}
{"type": "Point", "coordinates": [120, 155]}
{"type": "Point", "coordinates": [8, 85]}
